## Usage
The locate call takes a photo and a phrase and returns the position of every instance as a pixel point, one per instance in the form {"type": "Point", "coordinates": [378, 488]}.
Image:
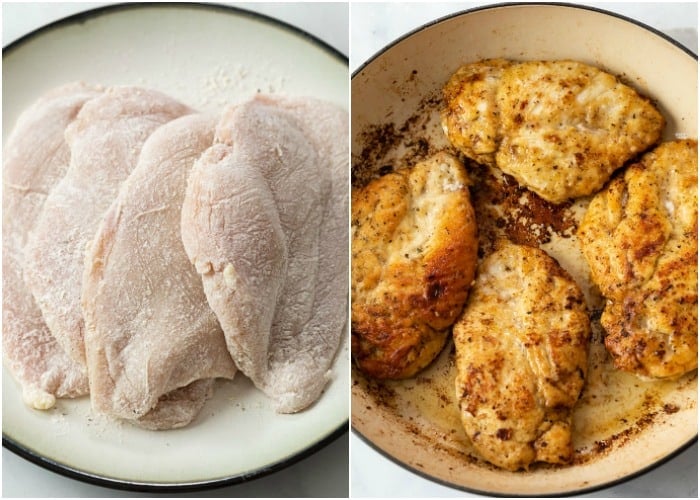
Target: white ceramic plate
{"type": "Point", "coordinates": [623, 426]}
{"type": "Point", "coordinates": [207, 57]}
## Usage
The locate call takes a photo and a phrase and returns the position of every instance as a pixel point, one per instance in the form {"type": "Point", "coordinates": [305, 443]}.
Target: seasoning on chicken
{"type": "Point", "coordinates": [640, 238]}
{"type": "Point", "coordinates": [414, 251]}
{"type": "Point", "coordinates": [521, 354]}
{"type": "Point", "coordinates": [561, 128]}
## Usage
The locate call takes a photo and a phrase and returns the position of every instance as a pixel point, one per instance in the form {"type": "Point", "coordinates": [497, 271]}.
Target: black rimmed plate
{"type": "Point", "coordinates": [206, 56]}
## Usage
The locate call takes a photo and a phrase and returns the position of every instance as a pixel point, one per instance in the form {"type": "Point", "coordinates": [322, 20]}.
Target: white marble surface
{"type": "Point", "coordinates": [20, 478]}
{"type": "Point", "coordinates": [373, 26]}
{"type": "Point", "coordinates": [376, 24]}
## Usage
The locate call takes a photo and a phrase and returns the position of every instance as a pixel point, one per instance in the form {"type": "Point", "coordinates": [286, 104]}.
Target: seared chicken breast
{"type": "Point", "coordinates": [521, 355]}
{"type": "Point", "coordinates": [471, 119]}
{"type": "Point", "coordinates": [640, 238]}
{"type": "Point", "coordinates": [414, 251]}
{"type": "Point", "coordinates": [560, 128]}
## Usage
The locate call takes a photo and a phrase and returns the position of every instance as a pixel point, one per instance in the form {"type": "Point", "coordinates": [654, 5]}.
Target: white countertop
{"type": "Point", "coordinates": [20, 478]}
{"type": "Point", "coordinates": [374, 25]}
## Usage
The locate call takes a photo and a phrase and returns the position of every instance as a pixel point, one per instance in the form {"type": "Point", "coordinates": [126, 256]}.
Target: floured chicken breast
{"type": "Point", "coordinates": [521, 354]}
{"type": "Point", "coordinates": [105, 140]}
{"type": "Point", "coordinates": [265, 224]}
{"type": "Point", "coordinates": [414, 251]}
{"type": "Point", "coordinates": [35, 158]}
{"type": "Point", "coordinates": [640, 238]}
{"type": "Point", "coordinates": [179, 407]}
{"type": "Point", "coordinates": [561, 128]}
{"type": "Point", "coordinates": [149, 331]}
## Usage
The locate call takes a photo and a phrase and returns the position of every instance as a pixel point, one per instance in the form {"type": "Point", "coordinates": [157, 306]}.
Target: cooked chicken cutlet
{"type": "Point", "coordinates": [640, 238]}
{"type": "Point", "coordinates": [471, 119]}
{"type": "Point", "coordinates": [521, 350]}
{"type": "Point", "coordinates": [414, 251]}
{"type": "Point", "coordinates": [560, 128]}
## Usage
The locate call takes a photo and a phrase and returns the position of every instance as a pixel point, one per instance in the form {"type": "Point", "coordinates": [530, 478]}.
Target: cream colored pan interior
{"type": "Point", "coordinates": [623, 425]}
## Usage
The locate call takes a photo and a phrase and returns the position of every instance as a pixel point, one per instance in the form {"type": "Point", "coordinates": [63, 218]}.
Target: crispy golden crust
{"type": "Point", "coordinates": [521, 350]}
{"type": "Point", "coordinates": [561, 128]}
{"type": "Point", "coordinates": [470, 118]}
{"type": "Point", "coordinates": [639, 237]}
{"type": "Point", "coordinates": [414, 247]}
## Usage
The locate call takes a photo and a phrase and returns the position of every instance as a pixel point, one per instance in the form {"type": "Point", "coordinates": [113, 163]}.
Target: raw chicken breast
{"type": "Point", "coordinates": [148, 327]}
{"type": "Point", "coordinates": [264, 222]}
{"type": "Point", "coordinates": [36, 157]}
{"type": "Point", "coordinates": [179, 407]}
{"type": "Point", "coordinates": [326, 126]}
{"type": "Point", "coordinates": [105, 141]}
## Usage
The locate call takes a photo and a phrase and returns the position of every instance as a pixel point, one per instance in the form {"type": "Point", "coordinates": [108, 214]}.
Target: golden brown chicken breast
{"type": "Point", "coordinates": [561, 128]}
{"type": "Point", "coordinates": [414, 246]}
{"type": "Point", "coordinates": [471, 119]}
{"type": "Point", "coordinates": [640, 238]}
{"type": "Point", "coordinates": [521, 353]}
